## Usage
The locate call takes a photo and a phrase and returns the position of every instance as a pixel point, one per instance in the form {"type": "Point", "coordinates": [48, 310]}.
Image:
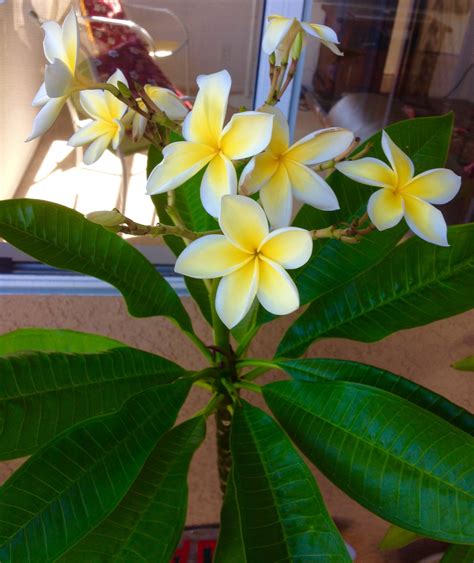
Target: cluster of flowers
{"type": "Point", "coordinates": [250, 258]}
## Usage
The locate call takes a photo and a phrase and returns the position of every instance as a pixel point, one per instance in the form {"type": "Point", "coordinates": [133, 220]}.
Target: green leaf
{"type": "Point", "coordinates": [466, 364]}
{"type": "Point", "coordinates": [66, 489]}
{"type": "Point", "coordinates": [188, 204]}
{"type": "Point", "coordinates": [54, 340]}
{"type": "Point", "coordinates": [281, 513]}
{"type": "Point", "coordinates": [63, 238]}
{"type": "Point", "coordinates": [148, 523]}
{"type": "Point", "coordinates": [320, 369]}
{"type": "Point", "coordinates": [42, 394]}
{"type": "Point", "coordinates": [396, 538]}
{"type": "Point", "coordinates": [417, 283]}
{"type": "Point", "coordinates": [230, 547]}
{"type": "Point", "coordinates": [426, 140]}
{"type": "Point", "coordinates": [459, 554]}
{"type": "Point", "coordinates": [401, 462]}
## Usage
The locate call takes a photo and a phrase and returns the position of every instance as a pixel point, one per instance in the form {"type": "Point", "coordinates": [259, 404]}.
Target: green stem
{"type": "Point", "coordinates": [221, 332]}
{"type": "Point", "coordinates": [246, 341]}
{"type": "Point", "coordinates": [199, 345]}
{"type": "Point", "coordinates": [211, 406]}
{"type": "Point", "coordinates": [224, 456]}
{"type": "Point", "coordinates": [249, 386]}
{"type": "Point", "coordinates": [255, 362]}
{"type": "Point", "coordinates": [256, 372]}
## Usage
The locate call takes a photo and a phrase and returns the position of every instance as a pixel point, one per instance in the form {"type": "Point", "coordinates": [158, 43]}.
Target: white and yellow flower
{"type": "Point", "coordinates": [166, 100]}
{"type": "Point", "coordinates": [251, 261]}
{"type": "Point", "coordinates": [106, 127]}
{"type": "Point", "coordinates": [61, 44]}
{"type": "Point", "coordinates": [403, 194]}
{"type": "Point", "coordinates": [281, 32]}
{"type": "Point", "coordinates": [208, 142]}
{"type": "Point", "coordinates": [283, 171]}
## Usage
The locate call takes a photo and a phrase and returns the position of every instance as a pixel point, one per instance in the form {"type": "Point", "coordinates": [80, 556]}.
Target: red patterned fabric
{"type": "Point", "coordinates": [120, 47]}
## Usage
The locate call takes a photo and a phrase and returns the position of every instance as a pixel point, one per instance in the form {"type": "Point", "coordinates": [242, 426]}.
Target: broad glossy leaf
{"type": "Point", "coordinates": [281, 513]}
{"type": "Point", "coordinates": [333, 263]}
{"type": "Point", "coordinates": [54, 340]}
{"type": "Point", "coordinates": [402, 462]}
{"type": "Point", "coordinates": [459, 554]}
{"type": "Point", "coordinates": [65, 490]}
{"type": "Point", "coordinates": [466, 364]}
{"type": "Point", "coordinates": [188, 203]}
{"type": "Point", "coordinates": [230, 547]}
{"type": "Point", "coordinates": [320, 369]}
{"type": "Point", "coordinates": [63, 238]}
{"type": "Point", "coordinates": [148, 522]}
{"type": "Point", "coordinates": [396, 538]}
{"type": "Point", "coordinates": [417, 283]}
{"type": "Point", "coordinates": [41, 394]}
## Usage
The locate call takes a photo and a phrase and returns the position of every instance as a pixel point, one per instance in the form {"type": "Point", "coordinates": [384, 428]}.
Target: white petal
{"type": "Point", "coordinates": [369, 171]}
{"type": "Point", "coordinates": [118, 135]}
{"type": "Point", "coordinates": [211, 256]}
{"type": "Point", "coordinates": [168, 102]}
{"type": "Point", "coordinates": [243, 222]}
{"type": "Point", "coordinates": [399, 161]}
{"type": "Point", "coordinates": [88, 133]}
{"type": "Point", "coordinates": [220, 179]}
{"type": "Point", "coordinates": [246, 134]}
{"type": "Point", "coordinates": [94, 103]}
{"type": "Point", "coordinates": [204, 123]}
{"type": "Point", "coordinates": [138, 126]}
{"type": "Point", "coordinates": [277, 199]}
{"type": "Point", "coordinates": [116, 108]}
{"type": "Point", "coordinates": [276, 31]}
{"type": "Point", "coordinates": [320, 31]}
{"type": "Point", "coordinates": [70, 39]}
{"type": "Point", "coordinates": [46, 117]}
{"type": "Point", "coordinates": [385, 208]}
{"type": "Point", "coordinates": [180, 162]}
{"type": "Point", "coordinates": [280, 140]}
{"type": "Point", "coordinates": [96, 149]}
{"type": "Point", "coordinates": [276, 290]}
{"type": "Point", "coordinates": [321, 146]}
{"type": "Point", "coordinates": [53, 41]}
{"type": "Point", "coordinates": [332, 47]}
{"type": "Point", "coordinates": [425, 221]}
{"type": "Point", "coordinates": [257, 172]}
{"type": "Point", "coordinates": [41, 97]}
{"type": "Point", "coordinates": [290, 247]}
{"type": "Point", "coordinates": [236, 293]}
{"type": "Point", "coordinates": [310, 188]}
{"type": "Point", "coordinates": [439, 185]}
{"type": "Point", "coordinates": [57, 79]}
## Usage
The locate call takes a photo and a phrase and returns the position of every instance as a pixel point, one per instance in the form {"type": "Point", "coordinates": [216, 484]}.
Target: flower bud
{"type": "Point", "coordinates": [297, 46]}
{"type": "Point", "coordinates": [106, 218]}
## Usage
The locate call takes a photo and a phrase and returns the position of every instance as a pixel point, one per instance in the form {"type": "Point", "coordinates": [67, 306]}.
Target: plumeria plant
{"type": "Point", "coordinates": [106, 479]}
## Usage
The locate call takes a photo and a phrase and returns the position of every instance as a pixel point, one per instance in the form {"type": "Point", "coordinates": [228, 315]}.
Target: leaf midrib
{"type": "Point", "coordinates": [377, 447]}
{"type": "Point", "coordinates": [412, 290]}
{"type": "Point", "coordinates": [151, 500]}
{"type": "Point", "coordinates": [66, 490]}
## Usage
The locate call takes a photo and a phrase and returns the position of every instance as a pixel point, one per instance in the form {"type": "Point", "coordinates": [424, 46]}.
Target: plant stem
{"type": "Point", "coordinates": [249, 386]}
{"type": "Point", "coordinates": [224, 457]}
{"type": "Point", "coordinates": [221, 332]}
{"type": "Point", "coordinates": [257, 363]}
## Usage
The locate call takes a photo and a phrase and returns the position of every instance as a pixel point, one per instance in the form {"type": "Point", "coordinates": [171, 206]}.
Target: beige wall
{"type": "Point", "coordinates": [423, 355]}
